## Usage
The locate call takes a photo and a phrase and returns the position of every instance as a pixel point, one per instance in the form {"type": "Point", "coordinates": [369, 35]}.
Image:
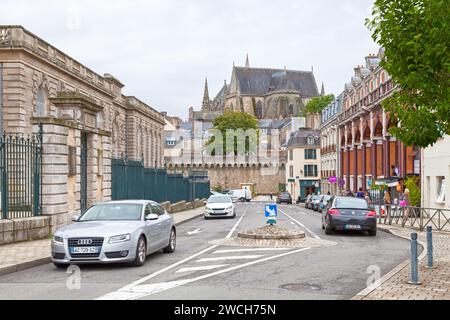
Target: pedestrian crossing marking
{"type": "Point", "coordinates": [201, 268]}
{"type": "Point", "coordinates": [230, 258]}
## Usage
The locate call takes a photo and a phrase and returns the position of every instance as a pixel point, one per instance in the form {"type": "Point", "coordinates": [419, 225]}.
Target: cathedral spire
{"type": "Point", "coordinates": [247, 63]}
{"type": "Point", "coordinates": [206, 101]}
{"type": "Point", "coordinates": [322, 91]}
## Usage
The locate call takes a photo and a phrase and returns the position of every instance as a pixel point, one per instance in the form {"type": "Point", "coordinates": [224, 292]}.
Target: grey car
{"type": "Point", "coordinates": [115, 232]}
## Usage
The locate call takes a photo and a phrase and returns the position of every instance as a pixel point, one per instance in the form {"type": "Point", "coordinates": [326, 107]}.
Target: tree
{"type": "Point", "coordinates": [317, 104]}
{"type": "Point", "coordinates": [237, 130]}
{"type": "Point", "coordinates": [415, 37]}
{"type": "Point", "coordinates": [414, 191]}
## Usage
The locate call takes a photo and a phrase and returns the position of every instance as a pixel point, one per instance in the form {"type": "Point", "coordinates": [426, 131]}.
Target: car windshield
{"type": "Point", "coordinates": [351, 203]}
{"type": "Point", "coordinates": [219, 199]}
{"type": "Point", "coordinates": [326, 198]}
{"type": "Point", "coordinates": [113, 211]}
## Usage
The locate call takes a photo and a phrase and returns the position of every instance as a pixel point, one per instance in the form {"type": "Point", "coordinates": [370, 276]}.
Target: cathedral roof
{"type": "Point", "coordinates": [260, 81]}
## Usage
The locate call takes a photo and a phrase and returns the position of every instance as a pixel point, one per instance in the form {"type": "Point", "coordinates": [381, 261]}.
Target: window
{"type": "Point", "coordinates": [291, 171]}
{"type": "Point", "coordinates": [440, 190]}
{"type": "Point", "coordinates": [157, 209]}
{"type": "Point", "coordinates": [170, 142]}
{"type": "Point", "coordinates": [311, 140]}
{"type": "Point", "coordinates": [291, 155]}
{"type": "Point", "coordinates": [310, 170]}
{"type": "Point", "coordinates": [310, 154]}
{"type": "Point", "coordinates": [40, 103]}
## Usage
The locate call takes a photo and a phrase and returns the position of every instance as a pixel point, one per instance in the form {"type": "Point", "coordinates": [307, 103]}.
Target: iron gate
{"type": "Point", "coordinates": [20, 176]}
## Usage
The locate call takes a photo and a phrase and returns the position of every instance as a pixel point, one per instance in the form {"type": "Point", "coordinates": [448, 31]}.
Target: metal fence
{"type": "Point", "coordinates": [415, 217]}
{"type": "Point", "coordinates": [131, 180]}
{"type": "Point", "coordinates": [20, 176]}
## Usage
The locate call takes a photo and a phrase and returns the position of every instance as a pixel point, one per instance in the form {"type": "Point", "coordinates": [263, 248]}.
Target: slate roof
{"type": "Point", "coordinates": [300, 138]}
{"type": "Point", "coordinates": [260, 81]}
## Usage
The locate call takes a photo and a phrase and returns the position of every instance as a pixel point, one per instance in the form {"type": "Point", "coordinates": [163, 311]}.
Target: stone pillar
{"type": "Point", "coordinates": [388, 156]}
{"type": "Point", "coordinates": [373, 159]}
{"type": "Point", "coordinates": [348, 169]}
{"type": "Point", "coordinates": [54, 175]}
{"type": "Point", "coordinates": [355, 168]}
{"type": "Point", "coordinates": [363, 176]}
{"type": "Point", "coordinates": [106, 176]}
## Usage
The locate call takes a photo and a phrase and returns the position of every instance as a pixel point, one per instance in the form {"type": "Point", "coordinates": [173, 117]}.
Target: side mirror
{"type": "Point", "coordinates": [234, 200]}
{"type": "Point", "coordinates": [76, 218]}
{"type": "Point", "coordinates": [152, 216]}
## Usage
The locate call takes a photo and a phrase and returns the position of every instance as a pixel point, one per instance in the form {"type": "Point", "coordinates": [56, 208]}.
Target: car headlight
{"type": "Point", "coordinates": [58, 240]}
{"type": "Point", "coordinates": [208, 210]}
{"type": "Point", "coordinates": [120, 238]}
{"type": "Point", "coordinates": [229, 208]}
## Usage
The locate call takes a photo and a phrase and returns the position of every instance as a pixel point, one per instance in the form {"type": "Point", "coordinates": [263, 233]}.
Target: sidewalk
{"type": "Point", "coordinates": [435, 283]}
{"type": "Point", "coordinates": [28, 254]}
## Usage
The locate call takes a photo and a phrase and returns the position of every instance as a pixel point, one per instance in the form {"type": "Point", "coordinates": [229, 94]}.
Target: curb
{"type": "Point", "coordinates": [365, 292]}
{"type": "Point", "coordinates": [25, 265]}
{"type": "Point", "coordinates": [45, 260]}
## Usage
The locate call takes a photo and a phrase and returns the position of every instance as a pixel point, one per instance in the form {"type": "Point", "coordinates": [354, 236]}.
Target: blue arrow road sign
{"type": "Point", "coordinates": [271, 210]}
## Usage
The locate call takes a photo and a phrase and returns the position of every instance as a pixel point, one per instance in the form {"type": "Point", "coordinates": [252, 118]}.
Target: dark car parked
{"type": "Point", "coordinates": [346, 213]}
{"type": "Point", "coordinates": [284, 197]}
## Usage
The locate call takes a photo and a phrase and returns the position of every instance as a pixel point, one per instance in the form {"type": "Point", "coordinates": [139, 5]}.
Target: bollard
{"type": "Point", "coordinates": [430, 247]}
{"type": "Point", "coordinates": [414, 260]}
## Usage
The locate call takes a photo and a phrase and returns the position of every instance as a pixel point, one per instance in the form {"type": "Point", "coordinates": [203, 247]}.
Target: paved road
{"type": "Point", "coordinates": [202, 270]}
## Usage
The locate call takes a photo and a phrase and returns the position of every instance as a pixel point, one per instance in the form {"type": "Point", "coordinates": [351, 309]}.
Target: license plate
{"type": "Point", "coordinates": [84, 250]}
{"type": "Point", "coordinates": [352, 227]}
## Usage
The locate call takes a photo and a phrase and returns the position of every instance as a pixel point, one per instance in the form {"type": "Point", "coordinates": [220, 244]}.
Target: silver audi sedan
{"type": "Point", "coordinates": [115, 232]}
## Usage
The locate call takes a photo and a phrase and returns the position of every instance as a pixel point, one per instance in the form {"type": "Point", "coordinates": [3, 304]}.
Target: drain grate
{"type": "Point", "coordinates": [301, 287]}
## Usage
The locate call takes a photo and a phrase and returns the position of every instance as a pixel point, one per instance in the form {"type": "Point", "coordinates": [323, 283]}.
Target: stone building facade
{"type": "Point", "coordinates": [368, 154]}
{"type": "Point", "coordinates": [329, 146]}
{"type": "Point", "coordinates": [303, 163]}
{"type": "Point", "coordinates": [266, 93]}
{"type": "Point", "coordinates": [86, 121]}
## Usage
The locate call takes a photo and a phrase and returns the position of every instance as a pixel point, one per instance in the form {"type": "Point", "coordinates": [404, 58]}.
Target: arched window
{"type": "Point", "coordinates": [259, 111]}
{"type": "Point", "coordinates": [40, 103]}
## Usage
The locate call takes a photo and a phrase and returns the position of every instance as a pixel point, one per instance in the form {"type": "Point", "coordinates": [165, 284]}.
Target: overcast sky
{"type": "Point", "coordinates": [163, 49]}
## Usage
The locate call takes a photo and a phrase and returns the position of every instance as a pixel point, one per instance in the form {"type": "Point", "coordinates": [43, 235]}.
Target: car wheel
{"type": "Point", "coordinates": [172, 242]}
{"type": "Point", "coordinates": [141, 252]}
{"type": "Point", "coordinates": [206, 218]}
{"type": "Point", "coordinates": [60, 265]}
{"type": "Point", "coordinates": [373, 232]}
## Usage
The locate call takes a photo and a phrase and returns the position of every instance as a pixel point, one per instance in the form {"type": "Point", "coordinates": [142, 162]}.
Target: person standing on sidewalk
{"type": "Point", "coordinates": [387, 202]}
{"type": "Point", "coordinates": [360, 193]}
{"type": "Point", "coordinates": [404, 203]}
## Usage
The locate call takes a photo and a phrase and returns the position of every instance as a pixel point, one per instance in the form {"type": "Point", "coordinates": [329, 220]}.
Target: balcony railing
{"type": "Point", "coordinates": [370, 99]}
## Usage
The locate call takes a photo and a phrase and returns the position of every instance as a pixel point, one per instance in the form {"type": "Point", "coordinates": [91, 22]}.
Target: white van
{"type": "Point", "coordinates": [240, 195]}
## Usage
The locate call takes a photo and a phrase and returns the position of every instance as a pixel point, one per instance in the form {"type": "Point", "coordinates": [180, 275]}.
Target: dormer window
{"type": "Point", "coordinates": [311, 140]}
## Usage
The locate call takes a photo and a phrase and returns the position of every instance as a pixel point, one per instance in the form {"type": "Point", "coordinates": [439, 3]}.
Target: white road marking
{"type": "Point", "coordinates": [141, 291]}
{"type": "Point", "coordinates": [202, 268]}
{"type": "Point", "coordinates": [129, 287]}
{"type": "Point", "coordinates": [300, 224]}
{"type": "Point", "coordinates": [250, 250]}
{"type": "Point", "coordinates": [236, 225]}
{"type": "Point", "coordinates": [194, 232]}
{"type": "Point", "coordinates": [255, 256]}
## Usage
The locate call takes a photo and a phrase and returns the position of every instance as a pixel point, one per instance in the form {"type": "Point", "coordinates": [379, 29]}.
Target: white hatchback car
{"type": "Point", "coordinates": [219, 206]}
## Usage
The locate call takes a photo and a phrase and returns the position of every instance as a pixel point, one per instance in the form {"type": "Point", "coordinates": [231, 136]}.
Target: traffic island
{"type": "Point", "coordinates": [271, 232]}
{"type": "Point", "coordinates": [272, 236]}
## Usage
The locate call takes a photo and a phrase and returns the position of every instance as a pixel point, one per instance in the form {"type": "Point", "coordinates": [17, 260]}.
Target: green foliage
{"type": "Point", "coordinates": [414, 191]}
{"type": "Point", "coordinates": [317, 104]}
{"type": "Point", "coordinates": [218, 188]}
{"type": "Point", "coordinates": [415, 36]}
{"type": "Point", "coordinates": [234, 121]}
